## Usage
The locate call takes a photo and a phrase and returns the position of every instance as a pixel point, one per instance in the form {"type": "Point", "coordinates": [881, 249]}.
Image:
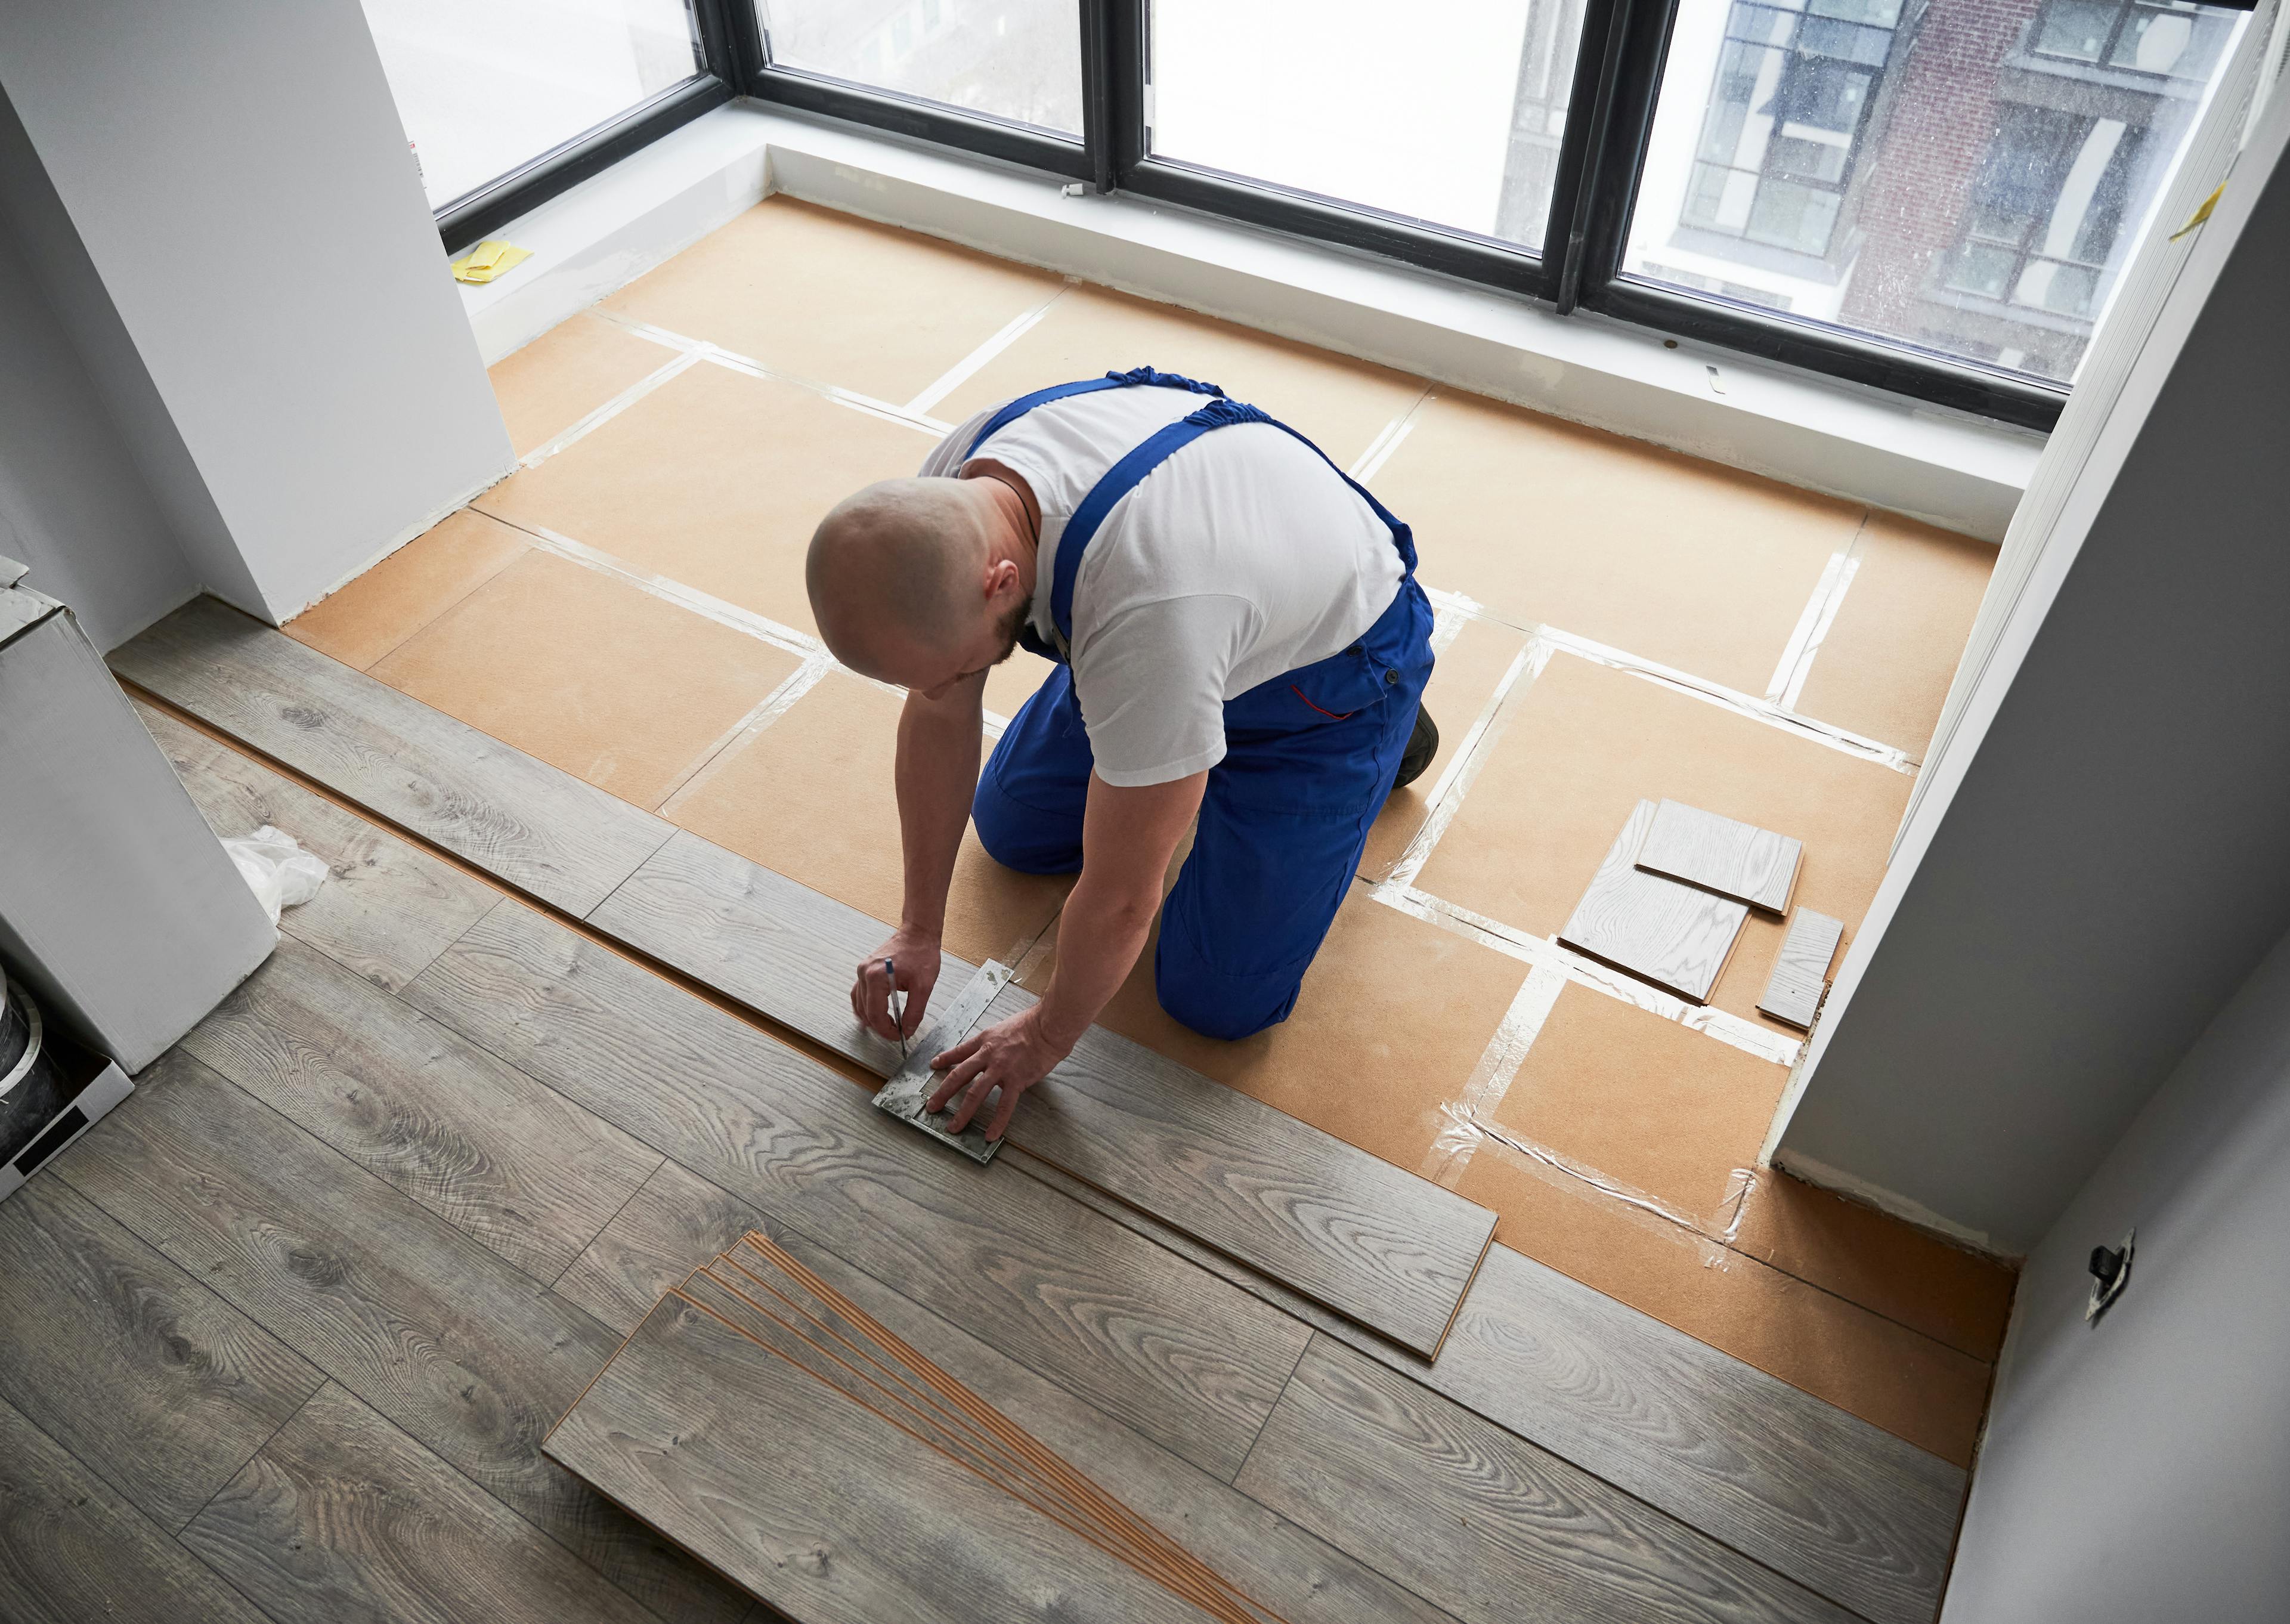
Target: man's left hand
{"type": "Point", "coordinates": [1011, 1055]}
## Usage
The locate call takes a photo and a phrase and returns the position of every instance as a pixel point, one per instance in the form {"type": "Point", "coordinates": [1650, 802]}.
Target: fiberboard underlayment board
{"type": "Point", "coordinates": [1675, 935]}
{"type": "Point", "coordinates": [1734, 858]}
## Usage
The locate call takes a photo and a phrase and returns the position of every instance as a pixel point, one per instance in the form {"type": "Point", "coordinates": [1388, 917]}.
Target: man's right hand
{"type": "Point", "coordinates": [917, 956]}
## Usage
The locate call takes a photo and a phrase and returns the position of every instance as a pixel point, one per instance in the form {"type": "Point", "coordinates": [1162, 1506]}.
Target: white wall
{"type": "Point", "coordinates": [2100, 860]}
{"type": "Point", "coordinates": [73, 503]}
{"type": "Point", "coordinates": [2138, 1469]}
{"type": "Point", "coordinates": [243, 255]}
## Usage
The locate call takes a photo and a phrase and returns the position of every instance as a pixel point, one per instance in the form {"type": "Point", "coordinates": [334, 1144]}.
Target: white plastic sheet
{"type": "Point", "coordinates": [282, 874]}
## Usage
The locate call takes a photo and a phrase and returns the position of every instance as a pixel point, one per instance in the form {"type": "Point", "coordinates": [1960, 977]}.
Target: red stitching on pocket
{"type": "Point", "coordinates": [1341, 716]}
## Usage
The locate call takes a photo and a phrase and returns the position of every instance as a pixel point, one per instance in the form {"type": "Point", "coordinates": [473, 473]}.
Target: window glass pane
{"type": "Point", "coordinates": [1018, 61]}
{"type": "Point", "coordinates": [486, 87]}
{"type": "Point", "coordinates": [1450, 116]}
{"type": "Point", "coordinates": [1970, 185]}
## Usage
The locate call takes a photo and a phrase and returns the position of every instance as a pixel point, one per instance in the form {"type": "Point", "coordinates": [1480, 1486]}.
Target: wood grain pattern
{"type": "Point", "coordinates": [674, 1224]}
{"type": "Point", "coordinates": [71, 1549]}
{"type": "Point", "coordinates": [343, 1516]}
{"type": "Point", "coordinates": [761, 939]}
{"type": "Point", "coordinates": [1673, 935]}
{"type": "Point", "coordinates": [1182, 1356]}
{"type": "Point", "coordinates": [1801, 972]}
{"type": "Point", "coordinates": [480, 1144]}
{"type": "Point", "coordinates": [1734, 858]}
{"type": "Point", "coordinates": [1486, 1526]}
{"type": "Point", "coordinates": [1812, 1491]}
{"type": "Point", "coordinates": [128, 1362]}
{"type": "Point", "coordinates": [539, 829]}
{"type": "Point", "coordinates": [818, 1507]}
{"type": "Point", "coordinates": [471, 1358]}
{"type": "Point", "coordinates": [1378, 1244]}
{"type": "Point", "coordinates": [386, 907]}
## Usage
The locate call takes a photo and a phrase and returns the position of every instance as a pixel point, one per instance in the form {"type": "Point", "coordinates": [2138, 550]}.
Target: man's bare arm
{"type": "Point", "coordinates": [939, 742]}
{"type": "Point", "coordinates": [1127, 838]}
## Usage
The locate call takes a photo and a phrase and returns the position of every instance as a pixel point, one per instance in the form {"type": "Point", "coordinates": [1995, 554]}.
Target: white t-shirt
{"type": "Point", "coordinates": [1243, 555]}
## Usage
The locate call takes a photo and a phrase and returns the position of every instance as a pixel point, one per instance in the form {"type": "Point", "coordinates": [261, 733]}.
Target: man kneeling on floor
{"type": "Point", "coordinates": [1238, 635]}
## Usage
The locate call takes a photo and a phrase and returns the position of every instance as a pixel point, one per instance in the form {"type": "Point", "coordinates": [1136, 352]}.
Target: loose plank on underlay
{"type": "Point", "coordinates": [466, 1354]}
{"type": "Point", "coordinates": [1186, 1359]}
{"type": "Point", "coordinates": [343, 1516]}
{"type": "Point", "coordinates": [386, 907]}
{"type": "Point", "coordinates": [1817, 1493]}
{"type": "Point", "coordinates": [544, 831]}
{"type": "Point", "coordinates": [71, 1549]}
{"type": "Point", "coordinates": [759, 938]}
{"type": "Point", "coordinates": [679, 1222]}
{"type": "Point", "coordinates": [1486, 1526]}
{"type": "Point", "coordinates": [480, 1144]}
{"type": "Point", "coordinates": [1801, 969]}
{"type": "Point", "coordinates": [1662, 931]}
{"type": "Point", "coordinates": [1378, 1244]}
{"type": "Point", "coordinates": [1722, 854]}
{"type": "Point", "coordinates": [820, 1509]}
{"type": "Point", "coordinates": [137, 1368]}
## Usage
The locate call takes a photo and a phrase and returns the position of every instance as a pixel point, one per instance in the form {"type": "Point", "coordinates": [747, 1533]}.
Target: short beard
{"type": "Point", "coordinates": [1011, 625]}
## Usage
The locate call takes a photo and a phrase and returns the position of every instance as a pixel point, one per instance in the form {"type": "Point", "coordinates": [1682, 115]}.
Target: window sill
{"type": "Point", "coordinates": [1962, 473]}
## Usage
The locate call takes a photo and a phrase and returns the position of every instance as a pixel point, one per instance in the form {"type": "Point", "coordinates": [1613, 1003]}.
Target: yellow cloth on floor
{"type": "Point", "coordinates": [488, 259]}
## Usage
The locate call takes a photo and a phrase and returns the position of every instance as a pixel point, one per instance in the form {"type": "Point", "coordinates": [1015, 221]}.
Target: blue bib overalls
{"type": "Point", "coordinates": [1310, 757]}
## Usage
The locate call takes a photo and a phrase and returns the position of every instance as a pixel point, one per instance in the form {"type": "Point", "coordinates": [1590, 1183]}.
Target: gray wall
{"type": "Point", "coordinates": [2138, 1469]}
{"type": "Point", "coordinates": [2113, 862]}
{"type": "Point", "coordinates": [218, 200]}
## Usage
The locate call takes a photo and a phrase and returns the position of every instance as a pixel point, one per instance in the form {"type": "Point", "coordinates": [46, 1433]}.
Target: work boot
{"type": "Point", "coordinates": [1423, 745]}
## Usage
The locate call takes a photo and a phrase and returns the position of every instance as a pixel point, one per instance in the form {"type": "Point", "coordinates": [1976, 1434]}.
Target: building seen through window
{"type": "Point", "coordinates": [1964, 177]}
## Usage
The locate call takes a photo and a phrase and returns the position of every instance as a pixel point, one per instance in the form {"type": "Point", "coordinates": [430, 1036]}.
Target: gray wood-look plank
{"type": "Point", "coordinates": [1674, 935]}
{"type": "Point", "coordinates": [1186, 1359]}
{"type": "Point", "coordinates": [1801, 970]}
{"type": "Point", "coordinates": [1482, 1523]}
{"type": "Point", "coordinates": [819, 1507]}
{"type": "Point", "coordinates": [539, 829]}
{"type": "Point", "coordinates": [483, 1146]}
{"type": "Point", "coordinates": [72, 1549]}
{"type": "Point", "coordinates": [1726, 855]}
{"type": "Point", "coordinates": [1811, 1490]}
{"type": "Point", "coordinates": [128, 1362]}
{"type": "Point", "coordinates": [679, 1222]}
{"type": "Point", "coordinates": [386, 908]}
{"type": "Point", "coordinates": [471, 1357]}
{"type": "Point", "coordinates": [760, 938]}
{"type": "Point", "coordinates": [342, 1516]}
{"type": "Point", "coordinates": [1378, 1244]}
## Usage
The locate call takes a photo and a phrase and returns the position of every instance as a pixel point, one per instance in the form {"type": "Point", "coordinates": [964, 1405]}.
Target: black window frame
{"type": "Point", "coordinates": [1618, 71]}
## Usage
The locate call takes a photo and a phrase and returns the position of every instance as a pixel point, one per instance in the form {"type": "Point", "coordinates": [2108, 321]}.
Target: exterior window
{"type": "Point", "coordinates": [2178, 40]}
{"type": "Point", "coordinates": [2046, 210]}
{"type": "Point", "coordinates": [1015, 61]}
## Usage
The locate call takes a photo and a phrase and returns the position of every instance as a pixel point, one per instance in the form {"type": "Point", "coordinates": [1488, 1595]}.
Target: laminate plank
{"type": "Point", "coordinates": [1810, 1490]}
{"type": "Point", "coordinates": [128, 1362]}
{"type": "Point", "coordinates": [1379, 1245]}
{"type": "Point", "coordinates": [492, 1152]}
{"type": "Point", "coordinates": [471, 1358]}
{"type": "Point", "coordinates": [820, 1508]}
{"type": "Point", "coordinates": [1186, 1359]}
{"type": "Point", "coordinates": [341, 1517]}
{"type": "Point", "coordinates": [761, 939]}
{"type": "Point", "coordinates": [1671, 934]}
{"type": "Point", "coordinates": [1734, 859]}
{"type": "Point", "coordinates": [538, 829]}
{"type": "Point", "coordinates": [386, 907]}
{"type": "Point", "coordinates": [1485, 1524]}
{"type": "Point", "coordinates": [679, 1222]}
{"type": "Point", "coordinates": [1801, 970]}
{"type": "Point", "coordinates": [72, 1549]}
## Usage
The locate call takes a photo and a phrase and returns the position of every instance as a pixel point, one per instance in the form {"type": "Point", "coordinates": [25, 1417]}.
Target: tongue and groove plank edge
{"type": "Point", "coordinates": [1390, 1250]}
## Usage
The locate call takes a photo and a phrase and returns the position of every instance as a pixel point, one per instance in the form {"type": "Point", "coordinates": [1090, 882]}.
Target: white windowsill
{"type": "Point", "coordinates": [1961, 473]}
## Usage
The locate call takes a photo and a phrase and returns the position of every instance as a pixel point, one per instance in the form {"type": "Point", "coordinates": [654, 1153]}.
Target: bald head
{"type": "Point", "coordinates": [897, 565]}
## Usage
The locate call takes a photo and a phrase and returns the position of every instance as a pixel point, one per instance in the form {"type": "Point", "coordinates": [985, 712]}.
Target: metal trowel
{"type": "Point", "coordinates": [913, 1081]}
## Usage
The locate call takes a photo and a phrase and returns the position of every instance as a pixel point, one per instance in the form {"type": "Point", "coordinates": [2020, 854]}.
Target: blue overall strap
{"type": "Point", "coordinates": [1131, 379]}
{"type": "Point", "coordinates": [1124, 476]}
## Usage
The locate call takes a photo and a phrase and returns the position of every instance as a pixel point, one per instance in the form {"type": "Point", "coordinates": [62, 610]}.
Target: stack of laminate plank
{"type": "Point", "coordinates": [757, 1400]}
{"type": "Point", "coordinates": [1670, 900]}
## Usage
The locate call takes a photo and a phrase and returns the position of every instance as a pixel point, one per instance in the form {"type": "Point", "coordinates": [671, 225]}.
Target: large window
{"type": "Point", "coordinates": [1017, 60]}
